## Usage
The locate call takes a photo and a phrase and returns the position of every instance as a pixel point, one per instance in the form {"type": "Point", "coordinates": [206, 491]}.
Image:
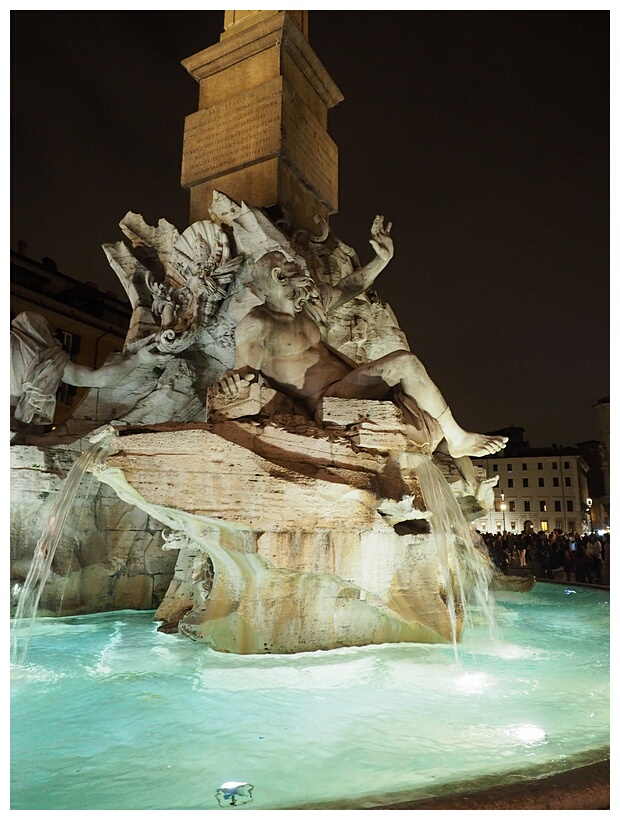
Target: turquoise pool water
{"type": "Point", "coordinates": [107, 713]}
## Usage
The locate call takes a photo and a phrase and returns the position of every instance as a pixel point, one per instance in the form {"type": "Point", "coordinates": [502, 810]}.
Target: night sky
{"type": "Point", "coordinates": [483, 137]}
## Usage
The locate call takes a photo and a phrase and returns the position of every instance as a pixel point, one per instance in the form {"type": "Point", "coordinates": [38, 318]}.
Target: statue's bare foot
{"type": "Point", "coordinates": [475, 445]}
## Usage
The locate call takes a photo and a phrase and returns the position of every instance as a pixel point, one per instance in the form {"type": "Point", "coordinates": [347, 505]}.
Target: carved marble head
{"type": "Point", "coordinates": [282, 278]}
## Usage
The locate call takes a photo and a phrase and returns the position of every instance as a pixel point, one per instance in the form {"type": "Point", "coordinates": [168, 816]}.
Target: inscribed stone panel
{"type": "Point", "coordinates": [232, 134]}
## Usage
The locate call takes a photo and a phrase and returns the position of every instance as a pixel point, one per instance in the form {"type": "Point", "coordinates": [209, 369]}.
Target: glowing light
{"type": "Point", "coordinates": [473, 682]}
{"type": "Point", "coordinates": [529, 734]}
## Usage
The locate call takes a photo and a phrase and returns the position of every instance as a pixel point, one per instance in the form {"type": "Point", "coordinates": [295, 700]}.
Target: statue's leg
{"type": "Point", "coordinates": [374, 379]}
{"type": "Point", "coordinates": [400, 368]}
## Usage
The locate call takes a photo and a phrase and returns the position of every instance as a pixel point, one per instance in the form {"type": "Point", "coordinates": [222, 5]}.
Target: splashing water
{"type": "Point", "coordinates": [464, 572]}
{"type": "Point", "coordinates": [30, 594]}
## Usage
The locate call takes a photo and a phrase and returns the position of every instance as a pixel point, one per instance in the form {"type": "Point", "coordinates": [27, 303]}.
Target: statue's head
{"type": "Point", "coordinates": [284, 281]}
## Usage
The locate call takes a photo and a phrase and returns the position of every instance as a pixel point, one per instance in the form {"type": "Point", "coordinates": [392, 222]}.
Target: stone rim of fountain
{"type": "Point", "coordinates": [580, 789]}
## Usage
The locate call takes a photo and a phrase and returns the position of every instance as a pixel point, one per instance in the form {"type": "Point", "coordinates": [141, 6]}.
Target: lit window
{"type": "Point", "coordinates": [544, 526]}
{"type": "Point", "coordinates": [526, 482]}
{"type": "Point", "coordinates": [541, 482]}
{"type": "Point", "coordinates": [543, 506]}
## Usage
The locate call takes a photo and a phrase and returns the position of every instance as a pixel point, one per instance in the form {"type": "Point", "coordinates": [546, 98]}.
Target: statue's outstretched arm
{"type": "Point", "coordinates": [362, 278]}
{"type": "Point", "coordinates": [82, 376]}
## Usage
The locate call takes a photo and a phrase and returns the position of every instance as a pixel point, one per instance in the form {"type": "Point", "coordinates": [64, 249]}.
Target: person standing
{"type": "Point", "coordinates": [593, 549]}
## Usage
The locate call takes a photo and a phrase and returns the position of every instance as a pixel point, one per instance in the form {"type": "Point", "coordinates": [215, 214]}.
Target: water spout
{"type": "Point", "coordinates": [32, 589]}
{"type": "Point", "coordinates": [465, 574]}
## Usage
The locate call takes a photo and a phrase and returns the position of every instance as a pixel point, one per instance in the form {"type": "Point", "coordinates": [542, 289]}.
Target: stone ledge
{"type": "Point", "coordinates": [581, 789]}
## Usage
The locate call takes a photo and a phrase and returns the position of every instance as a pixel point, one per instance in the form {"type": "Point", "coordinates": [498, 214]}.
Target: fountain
{"type": "Point", "coordinates": [310, 499]}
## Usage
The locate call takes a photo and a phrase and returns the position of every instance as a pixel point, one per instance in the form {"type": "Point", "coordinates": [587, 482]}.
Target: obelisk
{"type": "Point", "coordinates": [260, 132]}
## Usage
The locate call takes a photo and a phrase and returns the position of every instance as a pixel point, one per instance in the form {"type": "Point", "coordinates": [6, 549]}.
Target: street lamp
{"type": "Point", "coordinates": [502, 507]}
{"type": "Point", "coordinates": [589, 511]}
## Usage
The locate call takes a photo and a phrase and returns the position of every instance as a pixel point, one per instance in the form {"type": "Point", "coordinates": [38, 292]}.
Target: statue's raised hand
{"type": "Point", "coordinates": [381, 240]}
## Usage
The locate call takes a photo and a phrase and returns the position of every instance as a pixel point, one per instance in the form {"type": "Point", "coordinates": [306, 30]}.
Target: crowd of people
{"type": "Point", "coordinates": [579, 557]}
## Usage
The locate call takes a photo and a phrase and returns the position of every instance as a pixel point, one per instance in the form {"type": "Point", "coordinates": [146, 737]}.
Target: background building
{"type": "Point", "coordinates": [89, 324]}
{"type": "Point", "coordinates": [543, 488]}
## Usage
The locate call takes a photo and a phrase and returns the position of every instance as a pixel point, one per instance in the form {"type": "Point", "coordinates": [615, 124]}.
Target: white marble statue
{"type": "Point", "coordinates": [39, 364]}
{"type": "Point", "coordinates": [318, 510]}
{"type": "Point", "coordinates": [281, 339]}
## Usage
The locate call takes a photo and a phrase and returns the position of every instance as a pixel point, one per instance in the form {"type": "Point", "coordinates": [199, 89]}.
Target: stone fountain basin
{"type": "Point", "coordinates": [520, 722]}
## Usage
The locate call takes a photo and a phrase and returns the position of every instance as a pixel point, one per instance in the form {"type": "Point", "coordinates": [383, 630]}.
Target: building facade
{"type": "Point", "coordinates": [538, 488]}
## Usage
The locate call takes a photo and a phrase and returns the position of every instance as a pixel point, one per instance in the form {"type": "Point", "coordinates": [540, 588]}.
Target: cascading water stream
{"type": "Point", "coordinates": [30, 594]}
{"type": "Point", "coordinates": [465, 575]}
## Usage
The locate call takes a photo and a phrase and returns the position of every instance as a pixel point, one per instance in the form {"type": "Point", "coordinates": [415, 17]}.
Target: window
{"type": "Point", "coordinates": [65, 339]}
{"type": "Point", "coordinates": [541, 482]}
{"type": "Point", "coordinates": [540, 466]}
{"type": "Point", "coordinates": [65, 393]}
{"type": "Point", "coordinates": [499, 527]}
{"type": "Point", "coordinates": [513, 525]}
{"type": "Point", "coordinates": [509, 467]}
{"type": "Point", "coordinates": [558, 525]}
{"type": "Point", "coordinates": [554, 465]}
{"type": "Point", "coordinates": [526, 482]}
{"type": "Point", "coordinates": [567, 465]}
{"type": "Point", "coordinates": [543, 506]}
{"type": "Point", "coordinates": [569, 506]}
{"type": "Point", "coordinates": [495, 468]}
{"type": "Point", "coordinates": [70, 341]}
{"type": "Point", "coordinates": [556, 481]}
{"type": "Point", "coordinates": [544, 526]}
{"type": "Point", "coordinates": [567, 481]}
{"type": "Point", "coordinates": [512, 506]}
{"type": "Point", "coordinates": [524, 465]}
{"type": "Point", "coordinates": [511, 482]}
{"type": "Point", "coordinates": [526, 506]}
{"type": "Point", "coordinates": [571, 525]}
{"type": "Point", "coordinates": [558, 506]}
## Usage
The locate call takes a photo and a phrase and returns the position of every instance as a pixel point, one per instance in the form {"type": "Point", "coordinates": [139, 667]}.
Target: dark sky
{"type": "Point", "coordinates": [483, 137]}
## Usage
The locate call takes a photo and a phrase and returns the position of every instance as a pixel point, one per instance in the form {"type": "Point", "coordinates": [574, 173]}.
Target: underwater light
{"type": "Point", "coordinates": [530, 734]}
{"type": "Point", "coordinates": [235, 793]}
